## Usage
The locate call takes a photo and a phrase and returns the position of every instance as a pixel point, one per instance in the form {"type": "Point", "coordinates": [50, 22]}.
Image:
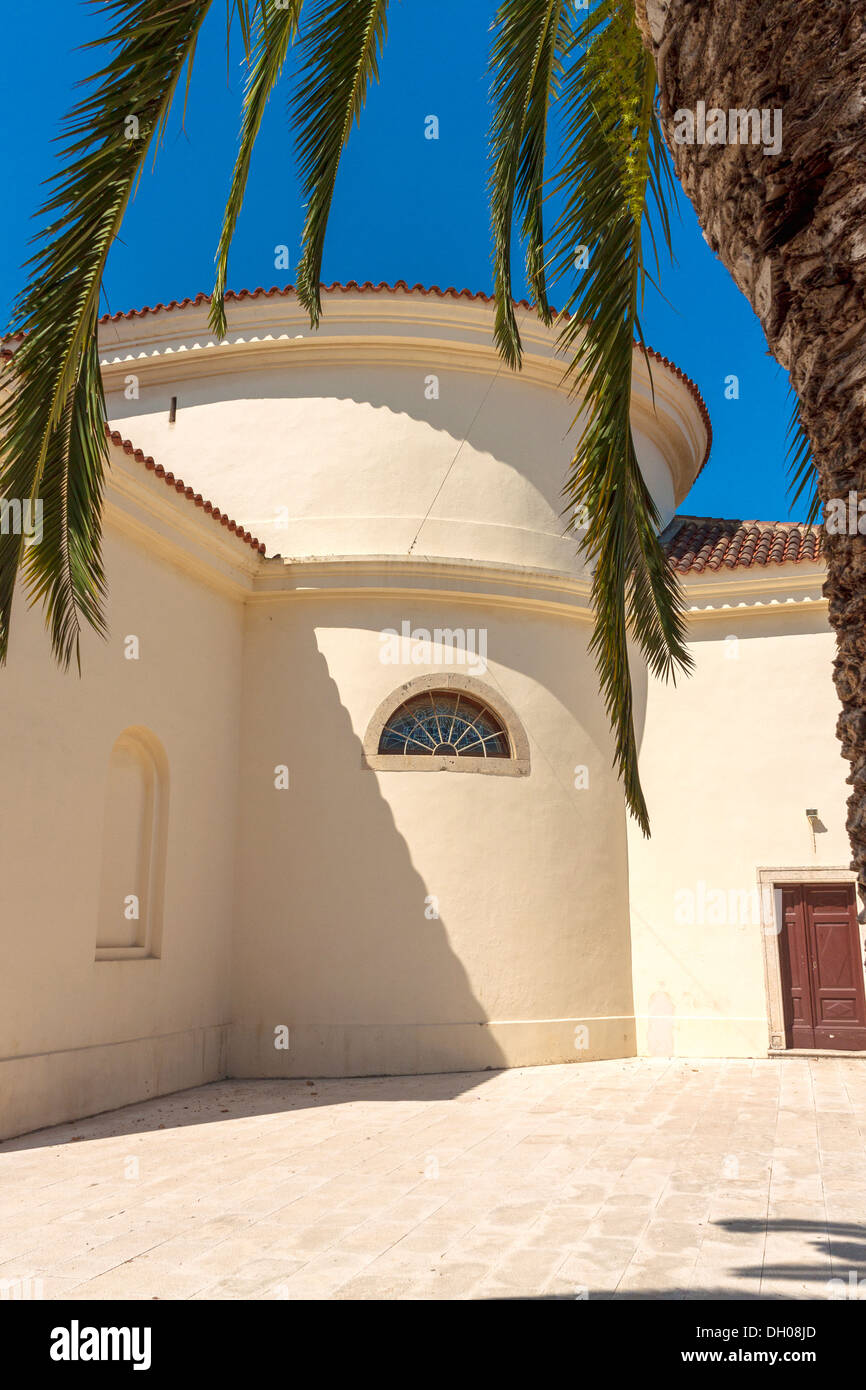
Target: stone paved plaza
{"type": "Point", "coordinates": [628, 1179]}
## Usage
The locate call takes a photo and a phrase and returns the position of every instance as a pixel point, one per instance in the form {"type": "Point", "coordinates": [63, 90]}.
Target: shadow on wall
{"type": "Point", "coordinates": [479, 411]}
{"type": "Point", "coordinates": [340, 967]}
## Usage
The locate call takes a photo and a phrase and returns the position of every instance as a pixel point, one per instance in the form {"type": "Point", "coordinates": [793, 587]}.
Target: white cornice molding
{"type": "Point", "coordinates": [755, 590]}
{"type": "Point", "coordinates": [388, 330]}
{"type": "Point", "coordinates": [141, 506]}
{"type": "Point", "coordinates": [425, 577]}
{"type": "Point", "coordinates": [464, 580]}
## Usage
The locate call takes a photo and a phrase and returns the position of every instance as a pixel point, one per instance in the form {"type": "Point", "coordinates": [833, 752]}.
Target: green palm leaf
{"type": "Point", "coordinates": [531, 39]}
{"type": "Point", "coordinates": [276, 26]}
{"type": "Point", "coordinates": [53, 441]}
{"type": "Point", "coordinates": [342, 47]}
{"type": "Point", "coordinates": [802, 473]}
{"type": "Point", "coordinates": [614, 172]}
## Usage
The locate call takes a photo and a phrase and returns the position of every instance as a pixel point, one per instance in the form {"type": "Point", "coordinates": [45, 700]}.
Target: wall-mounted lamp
{"type": "Point", "coordinates": [814, 824]}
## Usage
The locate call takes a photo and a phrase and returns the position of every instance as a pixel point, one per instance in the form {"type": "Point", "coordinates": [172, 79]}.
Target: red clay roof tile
{"type": "Point", "coordinates": [694, 544]}
{"type": "Point", "coordinates": [350, 287]}
{"type": "Point", "coordinates": [180, 486]}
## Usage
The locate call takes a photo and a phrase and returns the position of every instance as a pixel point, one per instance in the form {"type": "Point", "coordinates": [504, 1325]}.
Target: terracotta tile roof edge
{"type": "Point", "coordinates": [350, 287]}
{"type": "Point", "coordinates": [694, 391]}
{"type": "Point", "coordinates": [697, 543]}
{"type": "Point", "coordinates": [180, 486]}
{"type": "Point", "coordinates": [401, 286]}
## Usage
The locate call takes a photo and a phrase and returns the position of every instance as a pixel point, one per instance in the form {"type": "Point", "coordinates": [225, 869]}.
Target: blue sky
{"type": "Point", "coordinates": [406, 208]}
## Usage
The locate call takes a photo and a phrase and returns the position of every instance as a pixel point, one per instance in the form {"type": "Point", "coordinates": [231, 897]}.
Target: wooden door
{"type": "Point", "coordinates": [822, 970]}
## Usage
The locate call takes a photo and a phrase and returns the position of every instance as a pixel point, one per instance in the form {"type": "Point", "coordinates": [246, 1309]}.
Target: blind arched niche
{"type": "Point", "coordinates": [129, 923]}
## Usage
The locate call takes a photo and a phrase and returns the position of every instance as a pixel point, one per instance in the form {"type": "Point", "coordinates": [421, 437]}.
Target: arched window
{"type": "Point", "coordinates": [133, 842]}
{"type": "Point", "coordinates": [446, 724]}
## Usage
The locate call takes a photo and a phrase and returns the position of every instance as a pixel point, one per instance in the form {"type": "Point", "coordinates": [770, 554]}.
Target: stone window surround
{"type": "Point", "coordinates": [517, 765]}
{"type": "Point", "coordinates": [769, 881]}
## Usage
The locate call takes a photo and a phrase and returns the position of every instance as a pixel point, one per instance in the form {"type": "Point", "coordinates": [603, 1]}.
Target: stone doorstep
{"type": "Point", "coordinates": [817, 1053]}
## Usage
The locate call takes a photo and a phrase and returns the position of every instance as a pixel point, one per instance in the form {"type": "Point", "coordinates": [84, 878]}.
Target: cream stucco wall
{"type": "Point", "coordinates": [78, 1035]}
{"type": "Point", "coordinates": [360, 464]}
{"type": "Point", "coordinates": [336, 937]}
{"type": "Point", "coordinates": [730, 761]}
{"type": "Point", "coordinates": [363, 464]}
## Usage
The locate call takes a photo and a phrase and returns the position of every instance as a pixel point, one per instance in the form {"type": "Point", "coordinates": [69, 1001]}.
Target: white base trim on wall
{"type": "Point", "coordinates": [406, 1049]}
{"type": "Point", "coordinates": [51, 1088]}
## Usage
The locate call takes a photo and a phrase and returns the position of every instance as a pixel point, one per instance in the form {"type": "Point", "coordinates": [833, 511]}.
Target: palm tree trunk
{"type": "Point", "coordinates": [791, 229]}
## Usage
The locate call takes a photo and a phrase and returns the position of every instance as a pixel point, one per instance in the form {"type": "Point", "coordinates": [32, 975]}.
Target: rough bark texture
{"type": "Point", "coordinates": [791, 229]}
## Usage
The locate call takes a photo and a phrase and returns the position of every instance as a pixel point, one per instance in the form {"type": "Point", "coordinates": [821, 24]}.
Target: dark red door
{"type": "Point", "coordinates": [822, 972]}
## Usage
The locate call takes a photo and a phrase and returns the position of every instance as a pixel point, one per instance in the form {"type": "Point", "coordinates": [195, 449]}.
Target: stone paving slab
{"type": "Point", "coordinates": [668, 1179]}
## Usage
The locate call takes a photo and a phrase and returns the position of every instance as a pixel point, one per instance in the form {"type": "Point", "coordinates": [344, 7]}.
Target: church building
{"type": "Point", "coordinates": [336, 795]}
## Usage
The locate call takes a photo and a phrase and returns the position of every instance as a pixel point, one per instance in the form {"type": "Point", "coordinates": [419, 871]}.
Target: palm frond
{"type": "Point", "coordinates": [276, 26]}
{"type": "Point", "coordinates": [53, 443]}
{"type": "Point", "coordinates": [242, 9]}
{"type": "Point", "coordinates": [614, 175]}
{"type": "Point", "coordinates": [802, 472]}
{"type": "Point", "coordinates": [65, 569]}
{"type": "Point", "coordinates": [342, 47]}
{"type": "Point", "coordinates": [531, 40]}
